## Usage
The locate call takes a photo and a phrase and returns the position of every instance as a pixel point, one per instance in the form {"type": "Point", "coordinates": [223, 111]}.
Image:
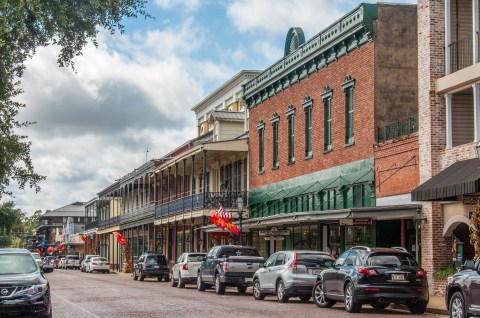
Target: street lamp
{"type": "Point", "coordinates": [240, 215]}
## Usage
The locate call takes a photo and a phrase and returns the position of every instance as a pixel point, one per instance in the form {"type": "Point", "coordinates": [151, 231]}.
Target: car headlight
{"type": "Point", "coordinates": [36, 289]}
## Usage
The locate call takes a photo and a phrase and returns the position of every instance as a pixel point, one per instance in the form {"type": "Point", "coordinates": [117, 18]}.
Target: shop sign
{"type": "Point", "coordinates": [362, 221]}
{"type": "Point", "coordinates": [274, 232]}
{"type": "Point", "coordinates": [219, 234]}
{"type": "Point", "coordinates": [274, 238]}
{"type": "Point", "coordinates": [346, 221]}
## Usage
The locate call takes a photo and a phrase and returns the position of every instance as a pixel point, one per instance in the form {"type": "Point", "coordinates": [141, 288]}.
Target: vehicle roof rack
{"type": "Point", "coordinates": [365, 248]}
{"type": "Point", "coordinates": [400, 248]}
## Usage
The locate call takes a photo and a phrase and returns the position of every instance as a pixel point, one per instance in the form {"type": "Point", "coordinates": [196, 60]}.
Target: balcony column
{"type": "Point", "coordinates": [154, 189]}
{"type": "Point", "coordinates": [192, 236]}
{"type": "Point", "coordinates": [184, 236]}
{"type": "Point", "coordinates": [475, 25]}
{"type": "Point", "coordinates": [169, 244]}
{"type": "Point", "coordinates": [139, 203]}
{"type": "Point", "coordinates": [161, 187]}
{"type": "Point", "coordinates": [204, 235]}
{"type": "Point", "coordinates": [175, 183]}
{"type": "Point", "coordinates": [192, 183]}
{"type": "Point", "coordinates": [184, 185]}
{"type": "Point", "coordinates": [204, 174]}
{"type": "Point", "coordinates": [143, 239]}
{"type": "Point", "coordinates": [448, 119]}
{"type": "Point", "coordinates": [161, 238]}
{"type": "Point", "coordinates": [133, 196]}
{"type": "Point", "coordinates": [149, 188]}
{"type": "Point", "coordinates": [447, 36]}
{"type": "Point", "coordinates": [476, 110]}
{"type": "Point", "coordinates": [168, 183]}
{"type": "Point", "coordinates": [175, 244]}
{"type": "Point", "coordinates": [154, 238]}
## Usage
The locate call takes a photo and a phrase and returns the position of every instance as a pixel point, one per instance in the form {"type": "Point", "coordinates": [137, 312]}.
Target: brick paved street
{"type": "Point", "coordinates": [76, 294]}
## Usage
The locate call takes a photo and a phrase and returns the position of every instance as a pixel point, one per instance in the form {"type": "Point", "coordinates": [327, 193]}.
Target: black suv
{"type": "Point", "coordinates": [375, 276]}
{"type": "Point", "coordinates": [23, 289]}
{"type": "Point", "coordinates": [151, 265]}
{"type": "Point", "coordinates": [462, 294]}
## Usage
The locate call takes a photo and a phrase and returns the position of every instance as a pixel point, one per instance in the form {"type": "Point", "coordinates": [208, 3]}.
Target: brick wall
{"type": "Point", "coordinates": [397, 166]}
{"type": "Point", "coordinates": [359, 65]}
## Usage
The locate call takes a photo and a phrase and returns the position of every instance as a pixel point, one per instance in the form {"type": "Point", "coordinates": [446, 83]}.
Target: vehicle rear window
{"type": "Point", "coordinates": [195, 257]}
{"type": "Point", "coordinates": [238, 252]}
{"type": "Point", "coordinates": [73, 257]}
{"type": "Point", "coordinates": [17, 264]}
{"type": "Point", "coordinates": [99, 259]}
{"type": "Point", "coordinates": [156, 259]}
{"type": "Point", "coordinates": [313, 259]}
{"type": "Point", "coordinates": [391, 260]}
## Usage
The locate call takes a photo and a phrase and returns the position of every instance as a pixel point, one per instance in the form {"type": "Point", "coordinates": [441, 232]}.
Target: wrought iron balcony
{"type": "Point", "coordinates": [212, 201]}
{"type": "Point", "coordinates": [91, 225]}
{"type": "Point", "coordinates": [461, 54]}
{"type": "Point", "coordinates": [397, 129]}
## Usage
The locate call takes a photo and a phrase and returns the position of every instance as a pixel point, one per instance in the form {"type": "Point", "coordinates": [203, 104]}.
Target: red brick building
{"type": "Point", "coordinates": [315, 118]}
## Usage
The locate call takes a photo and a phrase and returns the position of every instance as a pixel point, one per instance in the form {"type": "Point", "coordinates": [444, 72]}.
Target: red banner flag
{"type": "Point", "coordinates": [38, 251]}
{"type": "Point", "coordinates": [120, 239]}
{"type": "Point", "coordinates": [50, 250]}
{"type": "Point", "coordinates": [84, 238]}
{"type": "Point", "coordinates": [60, 247]}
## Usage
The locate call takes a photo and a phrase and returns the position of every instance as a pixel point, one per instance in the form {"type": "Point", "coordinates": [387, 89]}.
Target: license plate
{"type": "Point", "coordinates": [398, 277]}
{"type": "Point", "coordinates": [155, 266]}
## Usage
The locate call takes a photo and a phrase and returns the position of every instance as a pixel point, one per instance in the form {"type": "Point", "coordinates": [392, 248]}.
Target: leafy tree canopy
{"type": "Point", "coordinates": [26, 25]}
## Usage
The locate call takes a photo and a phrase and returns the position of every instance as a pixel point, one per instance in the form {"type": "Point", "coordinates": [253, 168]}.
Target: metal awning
{"type": "Point", "coordinates": [461, 178]}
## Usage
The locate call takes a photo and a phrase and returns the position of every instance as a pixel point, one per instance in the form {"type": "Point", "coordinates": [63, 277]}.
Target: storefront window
{"type": "Point", "coordinates": [334, 239]}
{"type": "Point", "coordinates": [358, 235]}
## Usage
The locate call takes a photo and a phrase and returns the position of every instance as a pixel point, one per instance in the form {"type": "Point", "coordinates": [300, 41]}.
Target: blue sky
{"type": "Point", "coordinates": [136, 90]}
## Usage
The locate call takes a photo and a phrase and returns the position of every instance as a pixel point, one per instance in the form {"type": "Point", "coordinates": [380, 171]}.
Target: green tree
{"type": "Point", "coordinates": [26, 25]}
{"type": "Point", "coordinates": [10, 219]}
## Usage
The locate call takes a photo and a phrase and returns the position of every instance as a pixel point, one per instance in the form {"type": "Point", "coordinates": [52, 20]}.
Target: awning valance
{"type": "Point", "coordinates": [463, 177]}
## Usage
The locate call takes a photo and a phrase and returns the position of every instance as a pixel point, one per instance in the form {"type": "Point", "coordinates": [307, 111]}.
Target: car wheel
{"type": "Point", "coordinates": [281, 292]}
{"type": "Point", "coordinates": [457, 306]}
{"type": "Point", "coordinates": [140, 276]}
{"type": "Point", "coordinates": [180, 283]}
{"type": "Point", "coordinates": [319, 296]}
{"type": "Point", "coordinates": [219, 286]}
{"type": "Point", "coordinates": [200, 284]}
{"type": "Point", "coordinates": [379, 306]}
{"type": "Point", "coordinates": [257, 292]}
{"type": "Point", "coordinates": [173, 282]}
{"type": "Point", "coordinates": [166, 278]}
{"type": "Point", "coordinates": [350, 304]}
{"type": "Point", "coordinates": [418, 308]}
{"type": "Point", "coordinates": [108, 271]}
{"type": "Point", "coordinates": [305, 298]}
{"type": "Point", "coordinates": [134, 274]}
{"type": "Point", "coordinates": [241, 289]}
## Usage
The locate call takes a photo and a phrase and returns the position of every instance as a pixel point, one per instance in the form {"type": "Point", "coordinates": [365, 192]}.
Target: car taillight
{"type": "Point", "coordinates": [422, 273]}
{"type": "Point", "coordinates": [185, 267]}
{"type": "Point", "coordinates": [294, 264]}
{"type": "Point", "coordinates": [94, 263]}
{"type": "Point", "coordinates": [366, 271]}
{"type": "Point", "coordinates": [225, 266]}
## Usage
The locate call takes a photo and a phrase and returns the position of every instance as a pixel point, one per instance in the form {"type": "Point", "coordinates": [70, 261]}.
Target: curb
{"type": "Point", "coordinates": [431, 310]}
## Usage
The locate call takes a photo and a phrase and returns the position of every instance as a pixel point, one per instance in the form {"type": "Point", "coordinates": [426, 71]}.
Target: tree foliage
{"type": "Point", "coordinates": [26, 25]}
{"type": "Point", "coordinates": [475, 230]}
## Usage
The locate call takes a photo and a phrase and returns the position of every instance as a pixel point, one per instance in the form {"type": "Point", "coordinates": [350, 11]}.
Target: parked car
{"type": "Point", "coordinates": [85, 260]}
{"type": "Point", "coordinates": [462, 295]}
{"type": "Point", "coordinates": [375, 276]}
{"type": "Point", "coordinates": [48, 262]}
{"type": "Point", "coordinates": [290, 274]}
{"type": "Point", "coordinates": [24, 289]}
{"type": "Point", "coordinates": [71, 262]}
{"type": "Point", "coordinates": [186, 269]}
{"type": "Point", "coordinates": [229, 265]}
{"type": "Point", "coordinates": [151, 265]}
{"type": "Point", "coordinates": [61, 262]}
{"type": "Point", "coordinates": [38, 259]}
{"type": "Point", "coordinates": [98, 264]}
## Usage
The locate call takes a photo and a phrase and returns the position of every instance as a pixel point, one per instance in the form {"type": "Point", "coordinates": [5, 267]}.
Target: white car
{"type": "Point", "coordinates": [38, 259]}
{"type": "Point", "coordinates": [99, 264]}
{"type": "Point", "coordinates": [186, 269]}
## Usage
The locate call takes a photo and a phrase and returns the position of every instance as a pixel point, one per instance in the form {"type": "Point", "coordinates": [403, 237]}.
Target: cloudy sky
{"type": "Point", "coordinates": [135, 90]}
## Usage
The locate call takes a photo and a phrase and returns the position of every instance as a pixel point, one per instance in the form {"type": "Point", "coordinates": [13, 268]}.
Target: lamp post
{"type": "Point", "coordinates": [240, 215]}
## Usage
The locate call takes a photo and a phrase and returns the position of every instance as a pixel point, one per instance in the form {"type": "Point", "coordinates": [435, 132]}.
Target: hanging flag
{"type": "Point", "coordinates": [84, 238]}
{"type": "Point", "coordinates": [50, 250]}
{"type": "Point", "coordinates": [38, 251]}
{"type": "Point", "coordinates": [60, 247]}
{"type": "Point", "coordinates": [232, 228]}
{"type": "Point", "coordinates": [120, 239]}
{"type": "Point", "coordinates": [223, 214]}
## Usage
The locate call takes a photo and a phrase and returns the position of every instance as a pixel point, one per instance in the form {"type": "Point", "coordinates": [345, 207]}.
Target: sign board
{"type": "Point", "coordinates": [362, 221]}
{"type": "Point", "coordinates": [274, 232]}
{"type": "Point", "coordinates": [346, 221]}
{"type": "Point", "coordinates": [274, 238]}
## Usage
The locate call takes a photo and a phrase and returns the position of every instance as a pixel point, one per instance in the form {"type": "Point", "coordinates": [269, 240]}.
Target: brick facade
{"type": "Point", "coordinates": [397, 166]}
{"type": "Point", "coordinates": [359, 65]}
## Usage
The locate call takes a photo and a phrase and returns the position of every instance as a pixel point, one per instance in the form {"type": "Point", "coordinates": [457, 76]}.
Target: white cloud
{"type": "Point", "coordinates": [189, 5]}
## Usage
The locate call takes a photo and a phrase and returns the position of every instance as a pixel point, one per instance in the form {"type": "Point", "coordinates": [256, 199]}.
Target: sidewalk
{"type": "Point", "coordinates": [436, 305]}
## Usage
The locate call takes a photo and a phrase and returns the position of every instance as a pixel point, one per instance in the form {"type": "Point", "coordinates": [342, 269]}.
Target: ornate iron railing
{"type": "Point", "coordinates": [461, 54]}
{"type": "Point", "coordinates": [397, 129]}
{"type": "Point", "coordinates": [91, 225]}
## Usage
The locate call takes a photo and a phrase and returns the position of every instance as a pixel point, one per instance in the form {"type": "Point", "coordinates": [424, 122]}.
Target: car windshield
{"type": "Point", "coordinates": [17, 264]}
{"type": "Point", "coordinates": [391, 260]}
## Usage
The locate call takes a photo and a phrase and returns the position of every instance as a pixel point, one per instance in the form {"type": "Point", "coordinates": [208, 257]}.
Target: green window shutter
{"type": "Point", "coordinates": [307, 107]}
{"type": "Point", "coordinates": [348, 87]}
{"type": "Point", "coordinates": [327, 101]}
{"type": "Point", "coordinates": [291, 133]}
{"type": "Point", "coordinates": [261, 144]}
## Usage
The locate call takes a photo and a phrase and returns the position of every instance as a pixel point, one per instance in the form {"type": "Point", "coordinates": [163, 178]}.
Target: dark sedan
{"type": "Point", "coordinates": [23, 289]}
{"type": "Point", "coordinates": [375, 276]}
{"type": "Point", "coordinates": [462, 294]}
